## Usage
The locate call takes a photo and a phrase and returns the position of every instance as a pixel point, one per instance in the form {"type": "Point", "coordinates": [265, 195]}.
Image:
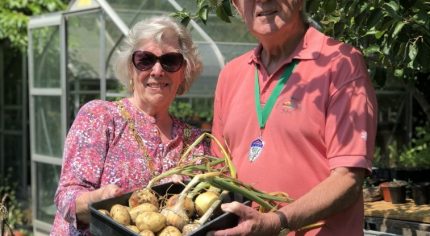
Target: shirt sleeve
{"type": "Point", "coordinates": [217, 123]}
{"type": "Point", "coordinates": [83, 158]}
{"type": "Point", "coordinates": [351, 115]}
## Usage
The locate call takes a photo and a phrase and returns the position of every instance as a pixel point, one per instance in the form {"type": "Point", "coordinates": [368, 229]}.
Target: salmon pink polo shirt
{"type": "Point", "coordinates": [324, 117]}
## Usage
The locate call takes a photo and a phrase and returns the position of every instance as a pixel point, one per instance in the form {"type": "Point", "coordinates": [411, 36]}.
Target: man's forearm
{"type": "Point", "coordinates": [341, 189]}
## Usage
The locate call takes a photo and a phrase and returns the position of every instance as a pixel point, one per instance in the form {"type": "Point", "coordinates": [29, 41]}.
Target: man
{"type": "Point", "coordinates": [298, 114]}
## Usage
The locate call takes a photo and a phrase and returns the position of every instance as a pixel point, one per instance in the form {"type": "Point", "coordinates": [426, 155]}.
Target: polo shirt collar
{"type": "Point", "coordinates": [308, 49]}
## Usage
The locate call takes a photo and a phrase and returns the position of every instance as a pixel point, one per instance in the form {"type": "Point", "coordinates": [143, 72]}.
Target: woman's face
{"type": "Point", "coordinates": [265, 17]}
{"type": "Point", "coordinates": [155, 86]}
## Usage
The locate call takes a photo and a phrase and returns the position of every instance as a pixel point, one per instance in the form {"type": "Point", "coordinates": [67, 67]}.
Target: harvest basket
{"type": "Point", "coordinates": [102, 225]}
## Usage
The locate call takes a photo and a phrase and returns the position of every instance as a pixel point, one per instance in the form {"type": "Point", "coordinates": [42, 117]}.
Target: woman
{"type": "Point", "coordinates": [117, 147]}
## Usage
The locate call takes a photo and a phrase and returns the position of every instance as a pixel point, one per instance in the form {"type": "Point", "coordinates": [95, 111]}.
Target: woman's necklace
{"type": "Point", "coordinates": [132, 127]}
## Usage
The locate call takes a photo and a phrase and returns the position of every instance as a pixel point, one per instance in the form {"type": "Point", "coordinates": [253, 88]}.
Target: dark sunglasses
{"type": "Point", "coordinates": [170, 62]}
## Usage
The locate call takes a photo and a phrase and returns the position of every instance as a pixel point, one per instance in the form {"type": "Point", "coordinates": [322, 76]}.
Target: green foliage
{"type": "Point", "coordinates": [181, 110]}
{"type": "Point", "coordinates": [417, 153]}
{"type": "Point", "coordinates": [14, 17]}
{"type": "Point", "coordinates": [222, 8]}
{"type": "Point", "coordinates": [195, 112]}
{"type": "Point", "coordinates": [8, 187]}
{"type": "Point", "coordinates": [393, 35]}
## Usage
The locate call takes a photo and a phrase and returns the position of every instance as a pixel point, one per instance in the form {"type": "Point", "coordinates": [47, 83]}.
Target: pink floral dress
{"type": "Point", "coordinates": [100, 149]}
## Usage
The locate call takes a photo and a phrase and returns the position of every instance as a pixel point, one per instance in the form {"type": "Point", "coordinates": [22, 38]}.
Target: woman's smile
{"type": "Point", "coordinates": [156, 85]}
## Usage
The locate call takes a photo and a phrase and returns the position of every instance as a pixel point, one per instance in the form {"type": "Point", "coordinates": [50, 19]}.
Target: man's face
{"type": "Point", "coordinates": [269, 16]}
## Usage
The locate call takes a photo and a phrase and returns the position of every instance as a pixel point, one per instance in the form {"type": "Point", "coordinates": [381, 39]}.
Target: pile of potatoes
{"type": "Point", "coordinates": [142, 215]}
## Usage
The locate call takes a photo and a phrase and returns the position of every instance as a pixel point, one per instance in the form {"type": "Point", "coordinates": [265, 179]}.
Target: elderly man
{"type": "Point", "coordinates": [298, 114]}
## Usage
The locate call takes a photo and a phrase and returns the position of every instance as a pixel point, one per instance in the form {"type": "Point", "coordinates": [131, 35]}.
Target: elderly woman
{"type": "Point", "coordinates": [117, 147]}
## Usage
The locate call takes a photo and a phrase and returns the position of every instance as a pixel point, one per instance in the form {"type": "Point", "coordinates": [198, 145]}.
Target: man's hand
{"type": "Point", "coordinates": [251, 222]}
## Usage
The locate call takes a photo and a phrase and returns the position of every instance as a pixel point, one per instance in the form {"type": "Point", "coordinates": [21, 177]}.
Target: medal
{"type": "Point", "coordinates": [255, 149]}
{"type": "Point", "coordinates": [263, 112]}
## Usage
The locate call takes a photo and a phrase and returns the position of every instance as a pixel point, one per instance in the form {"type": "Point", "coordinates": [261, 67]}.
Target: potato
{"type": "Point", "coordinates": [153, 221]}
{"type": "Point", "coordinates": [120, 214]}
{"type": "Point", "coordinates": [133, 228]}
{"type": "Point", "coordinates": [170, 231]}
{"type": "Point", "coordinates": [144, 207]}
{"type": "Point", "coordinates": [141, 196]}
{"type": "Point", "coordinates": [104, 212]}
{"type": "Point", "coordinates": [146, 232]}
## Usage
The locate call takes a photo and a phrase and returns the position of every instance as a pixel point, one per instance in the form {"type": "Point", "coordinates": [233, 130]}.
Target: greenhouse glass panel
{"type": "Point", "coordinates": [46, 57]}
{"type": "Point", "coordinates": [47, 181]}
{"type": "Point", "coordinates": [83, 46]}
{"type": "Point", "coordinates": [83, 67]}
{"type": "Point", "coordinates": [113, 37]}
{"type": "Point", "coordinates": [13, 142]}
{"type": "Point", "coordinates": [48, 137]}
{"type": "Point", "coordinates": [13, 119]}
{"type": "Point", "coordinates": [131, 11]}
{"type": "Point", "coordinates": [13, 80]}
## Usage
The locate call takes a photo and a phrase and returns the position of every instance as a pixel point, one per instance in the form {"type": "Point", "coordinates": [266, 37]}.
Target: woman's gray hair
{"type": "Point", "coordinates": [153, 29]}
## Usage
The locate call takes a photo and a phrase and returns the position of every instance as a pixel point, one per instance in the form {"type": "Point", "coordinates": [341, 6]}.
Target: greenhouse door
{"type": "Point", "coordinates": [47, 99]}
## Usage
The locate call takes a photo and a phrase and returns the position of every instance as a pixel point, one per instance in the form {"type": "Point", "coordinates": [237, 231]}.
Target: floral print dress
{"type": "Point", "coordinates": [100, 149]}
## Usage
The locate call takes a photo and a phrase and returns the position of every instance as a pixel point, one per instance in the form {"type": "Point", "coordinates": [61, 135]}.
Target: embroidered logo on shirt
{"type": "Point", "coordinates": [364, 135]}
{"type": "Point", "coordinates": [290, 105]}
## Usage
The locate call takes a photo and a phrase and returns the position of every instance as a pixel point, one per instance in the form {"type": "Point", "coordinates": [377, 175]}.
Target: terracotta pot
{"type": "Point", "coordinates": [385, 191]}
{"type": "Point", "coordinates": [394, 191]}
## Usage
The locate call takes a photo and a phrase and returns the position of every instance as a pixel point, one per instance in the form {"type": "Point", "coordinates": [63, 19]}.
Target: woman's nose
{"type": "Point", "coordinates": [157, 70]}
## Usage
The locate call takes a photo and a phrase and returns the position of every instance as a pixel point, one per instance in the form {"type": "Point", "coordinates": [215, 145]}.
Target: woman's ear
{"type": "Point", "coordinates": [237, 7]}
{"type": "Point", "coordinates": [181, 88]}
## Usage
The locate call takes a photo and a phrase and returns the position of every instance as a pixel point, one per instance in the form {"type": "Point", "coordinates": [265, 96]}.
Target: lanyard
{"type": "Point", "coordinates": [263, 113]}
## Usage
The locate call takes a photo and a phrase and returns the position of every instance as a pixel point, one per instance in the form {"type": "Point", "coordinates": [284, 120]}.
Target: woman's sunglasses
{"type": "Point", "coordinates": [170, 62]}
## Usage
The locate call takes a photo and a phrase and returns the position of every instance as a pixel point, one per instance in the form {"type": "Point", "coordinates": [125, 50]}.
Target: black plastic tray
{"type": "Point", "coordinates": [102, 225]}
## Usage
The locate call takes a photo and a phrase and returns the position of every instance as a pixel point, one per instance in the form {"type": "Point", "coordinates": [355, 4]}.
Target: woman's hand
{"type": "Point", "coordinates": [251, 222]}
{"type": "Point", "coordinates": [86, 198]}
{"type": "Point", "coordinates": [105, 192]}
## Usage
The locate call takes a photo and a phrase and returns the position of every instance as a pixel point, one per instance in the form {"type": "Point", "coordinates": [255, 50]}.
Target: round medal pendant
{"type": "Point", "coordinates": [255, 149]}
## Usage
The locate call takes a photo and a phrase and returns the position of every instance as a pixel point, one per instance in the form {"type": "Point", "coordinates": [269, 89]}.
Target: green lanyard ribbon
{"type": "Point", "coordinates": [263, 113]}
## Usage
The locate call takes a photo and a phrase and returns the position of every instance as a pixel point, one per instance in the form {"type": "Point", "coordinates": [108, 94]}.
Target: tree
{"type": "Point", "coordinates": [15, 14]}
{"type": "Point", "coordinates": [394, 36]}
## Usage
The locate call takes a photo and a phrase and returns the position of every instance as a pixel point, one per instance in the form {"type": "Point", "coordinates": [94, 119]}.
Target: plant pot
{"type": "Point", "coordinates": [421, 193]}
{"type": "Point", "coordinates": [394, 191]}
{"type": "Point", "coordinates": [385, 191]}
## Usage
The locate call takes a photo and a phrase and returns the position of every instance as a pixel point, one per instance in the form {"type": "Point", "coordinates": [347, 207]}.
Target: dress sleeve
{"type": "Point", "coordinates": [85, 150]}
{"type": "Point", "coordinates": [351, 115]}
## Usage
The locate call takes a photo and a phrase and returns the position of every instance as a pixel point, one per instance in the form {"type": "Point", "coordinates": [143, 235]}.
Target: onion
{"type": "Point", "coordinates": [175, 216]}
{"type": "Point", "coordinates": [204, 201]}
{"type": "Point", "coordinates": [188, 204]}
